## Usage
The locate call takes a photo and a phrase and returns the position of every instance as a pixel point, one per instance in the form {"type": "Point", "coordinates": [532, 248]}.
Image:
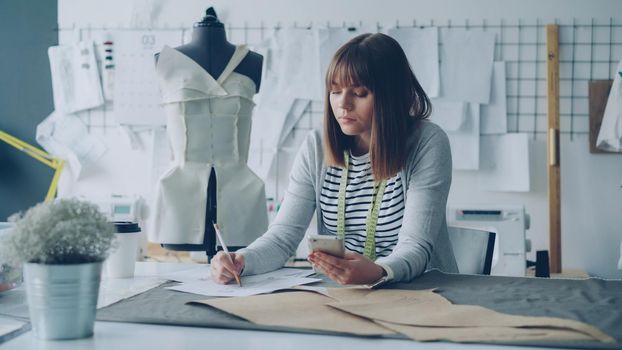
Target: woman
{"type": "Point", "coordinates": [380, 179]}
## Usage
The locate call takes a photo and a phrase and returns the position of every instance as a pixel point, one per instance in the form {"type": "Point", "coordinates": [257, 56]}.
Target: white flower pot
{"type": "Point", "coordinates": [62, 299]}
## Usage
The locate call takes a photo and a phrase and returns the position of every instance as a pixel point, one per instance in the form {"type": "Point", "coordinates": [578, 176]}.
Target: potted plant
{"type": "Point", "coordinates": [62, 246]}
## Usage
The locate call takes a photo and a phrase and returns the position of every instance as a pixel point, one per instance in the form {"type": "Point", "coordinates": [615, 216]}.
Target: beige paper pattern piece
{"type": "Point", "coordinates": [371, 296]}
{"type": "Point", "coordinates": [481, 334]}
{"type": "Point", "coordinates": [450, 315]}
{"type": "Point", "coordinates": [306, 310]}
{"type": "Point", "coordinates": [421, 315]}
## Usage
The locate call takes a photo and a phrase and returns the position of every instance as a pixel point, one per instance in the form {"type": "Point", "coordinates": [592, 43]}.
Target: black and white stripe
{"type": "Point", "coordinates": [359, 193]}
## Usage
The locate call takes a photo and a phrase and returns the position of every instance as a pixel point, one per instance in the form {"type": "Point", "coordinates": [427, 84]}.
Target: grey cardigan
{"type": "Point", "coordinates": [423, 242]}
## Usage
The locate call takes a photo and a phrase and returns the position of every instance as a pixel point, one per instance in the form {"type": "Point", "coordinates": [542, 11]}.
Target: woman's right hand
{"type": "Point", "coordinates": [222, 270]}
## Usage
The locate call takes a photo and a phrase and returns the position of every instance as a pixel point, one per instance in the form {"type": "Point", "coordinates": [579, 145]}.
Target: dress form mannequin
{"type": "Point", "coordinates": [210, 49]}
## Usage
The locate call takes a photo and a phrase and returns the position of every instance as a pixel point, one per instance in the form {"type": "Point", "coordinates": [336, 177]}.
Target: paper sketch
{"type": "Point", "coordinates": [76, 84]}
{"type": "Point", "coordinates": [66, 137]}
{"type": "Point", "coordinates": [251, 285]}
{"type": "Point", "coordinates": [466, 65]}
{"type": "Point", "coordinates": [504, 163]}
{"type": "Point", "coordinates": [494, 116]}
{"type": "Point", "coordinates": [465, 141]}
{"type": "Point", "coordinates": [421, 48]}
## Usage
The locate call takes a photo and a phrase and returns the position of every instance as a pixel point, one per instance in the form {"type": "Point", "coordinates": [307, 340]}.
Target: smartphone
{"type": "Point", "coordinates": [328, 244]}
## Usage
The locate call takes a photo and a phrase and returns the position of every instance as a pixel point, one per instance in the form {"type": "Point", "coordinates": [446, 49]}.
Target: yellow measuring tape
{"type": "Point", "coordinates": [372, 214]}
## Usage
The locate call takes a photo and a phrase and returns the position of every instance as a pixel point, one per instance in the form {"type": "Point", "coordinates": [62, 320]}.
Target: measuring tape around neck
{"type": "Point", "coordinates": [372, 213]}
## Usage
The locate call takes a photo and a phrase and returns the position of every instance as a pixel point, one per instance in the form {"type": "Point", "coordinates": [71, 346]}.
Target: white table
{"type": "Point", "coordinates": [134, 336]}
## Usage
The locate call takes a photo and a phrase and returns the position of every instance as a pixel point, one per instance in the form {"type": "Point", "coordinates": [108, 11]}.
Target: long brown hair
{"type": "Point", "coordinates": [377, 62]}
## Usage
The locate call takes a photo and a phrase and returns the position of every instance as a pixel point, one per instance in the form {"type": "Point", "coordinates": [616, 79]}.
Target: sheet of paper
{"type": "Point", "coordinates": [421, 48]}
{"type": "Point", "coordinates": [76, 84]}
{"type": "Point", "coordinates": [272, 109]}
{"type": "Point", "coordinates": [494, 116]}
{"type": "Point", "coordinates": [466, 64]}
{"type": "Point", "coordinates": [146, 14]}
{"type": "Point", "coordinates": [331, 39]}
{"type": "Point", "coordinates": [273, 104]}
{"type": "Point", "coordinates": [482, 334]}
{"type": "Point", "coordinates": [9, 325]}
{"type": "Point", "coordinates": [66, 137]}
{"type": "Point", "coordinates": [269, 120]}
{"type": "Point", "coordinates": [200, 272]}
{"type": "Point", "coordinates": [261, 161]}
{"type": "Point", "coordinates": [610, 133]}
{"type": "Point", "coordinates": [449, 115]}
{"type": "Point", "coordinates": [251, 285]}
{"type": "Point", "coordinates": [136, 92]}
{"type": "Point", "coordinates": [364, 294]}
{"type": "Point", "coordinates": [465, 141]}
{"type": "Point", "coordinates": [298, 74]}
{"type": "Point", "coordinates": [112, 290]}
{"type": "Point", "coordinates": [307, 310]}
{"type": "Point", "coordinates": [504, 163]}
{"type": "Point", "coordinates": [293, 117]}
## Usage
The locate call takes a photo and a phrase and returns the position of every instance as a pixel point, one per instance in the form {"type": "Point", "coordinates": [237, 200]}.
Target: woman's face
{"type": "Point", "coordinates": [353, 106]}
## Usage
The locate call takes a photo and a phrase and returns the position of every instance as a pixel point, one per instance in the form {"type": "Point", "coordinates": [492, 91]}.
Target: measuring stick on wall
{"type": "Point", "coordinates": [552, 67]}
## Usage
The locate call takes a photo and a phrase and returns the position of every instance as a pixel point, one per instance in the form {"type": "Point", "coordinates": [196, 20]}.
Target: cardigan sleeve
{"type": "Point", "coordinates": [428, 180]}
{"type": "Point", "coordinates": [271, 250]}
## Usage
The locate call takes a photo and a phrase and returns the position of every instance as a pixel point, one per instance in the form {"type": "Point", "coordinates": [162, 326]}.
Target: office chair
{"type": "Point", "coordinates": [473, 249]}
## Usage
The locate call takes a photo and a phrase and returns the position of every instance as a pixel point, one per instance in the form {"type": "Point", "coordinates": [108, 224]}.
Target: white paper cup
{"type": "Point", "coordinates": [121, 262]}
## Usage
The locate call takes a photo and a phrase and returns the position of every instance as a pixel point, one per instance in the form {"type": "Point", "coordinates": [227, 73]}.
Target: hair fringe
{"type": "Point", "coordinates": [377, 62]}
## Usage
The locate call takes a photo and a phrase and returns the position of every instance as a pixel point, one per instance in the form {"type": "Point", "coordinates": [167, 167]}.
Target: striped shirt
{"type": "Point", "coordinates": [359, 193]}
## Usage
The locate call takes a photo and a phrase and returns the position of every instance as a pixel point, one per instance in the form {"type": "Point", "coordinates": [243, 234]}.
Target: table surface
{"type": "Point", "coordinates": [116, 335]}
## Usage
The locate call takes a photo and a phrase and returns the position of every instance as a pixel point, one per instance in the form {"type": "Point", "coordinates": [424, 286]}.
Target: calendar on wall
{"type": "Point", "coordinates": [136, 94]}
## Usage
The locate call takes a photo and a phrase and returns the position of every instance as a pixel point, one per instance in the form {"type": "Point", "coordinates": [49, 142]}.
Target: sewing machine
{"type": "Point", "coordinates": [509, 222]}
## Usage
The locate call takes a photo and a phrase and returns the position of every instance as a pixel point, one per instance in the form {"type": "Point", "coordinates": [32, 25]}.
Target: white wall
{"type": "Point", "coordinates": [591, 193]}
{"type": "Point", "coordinates": [114, 12]}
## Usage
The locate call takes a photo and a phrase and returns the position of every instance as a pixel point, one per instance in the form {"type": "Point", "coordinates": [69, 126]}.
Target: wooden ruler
{"type": "Point", "coordinates": [555, 242]}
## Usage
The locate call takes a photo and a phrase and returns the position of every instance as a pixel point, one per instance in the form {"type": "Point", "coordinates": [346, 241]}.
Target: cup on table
{"type": "Point", "coordinates": [122, 260]}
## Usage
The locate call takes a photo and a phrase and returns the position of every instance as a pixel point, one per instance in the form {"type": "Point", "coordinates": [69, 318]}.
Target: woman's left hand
{"type": "Point", "coordinates": [354, 268]}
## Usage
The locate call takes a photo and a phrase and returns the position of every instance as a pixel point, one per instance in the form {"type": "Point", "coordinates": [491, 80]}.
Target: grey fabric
{"type": "Point", "coordinates": [168, 307]}
{"type": "Point", "coordinates": [423, 242]}
{"type": "Point", "coordinates": [594, 301]}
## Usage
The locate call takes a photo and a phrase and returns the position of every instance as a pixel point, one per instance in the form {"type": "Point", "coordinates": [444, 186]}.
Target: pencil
{"type": "Point", "coordinates": [224, 247]}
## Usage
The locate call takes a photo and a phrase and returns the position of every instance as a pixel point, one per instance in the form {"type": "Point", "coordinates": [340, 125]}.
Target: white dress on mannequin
{"type": "Point", "coordinates": [208, 126]}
